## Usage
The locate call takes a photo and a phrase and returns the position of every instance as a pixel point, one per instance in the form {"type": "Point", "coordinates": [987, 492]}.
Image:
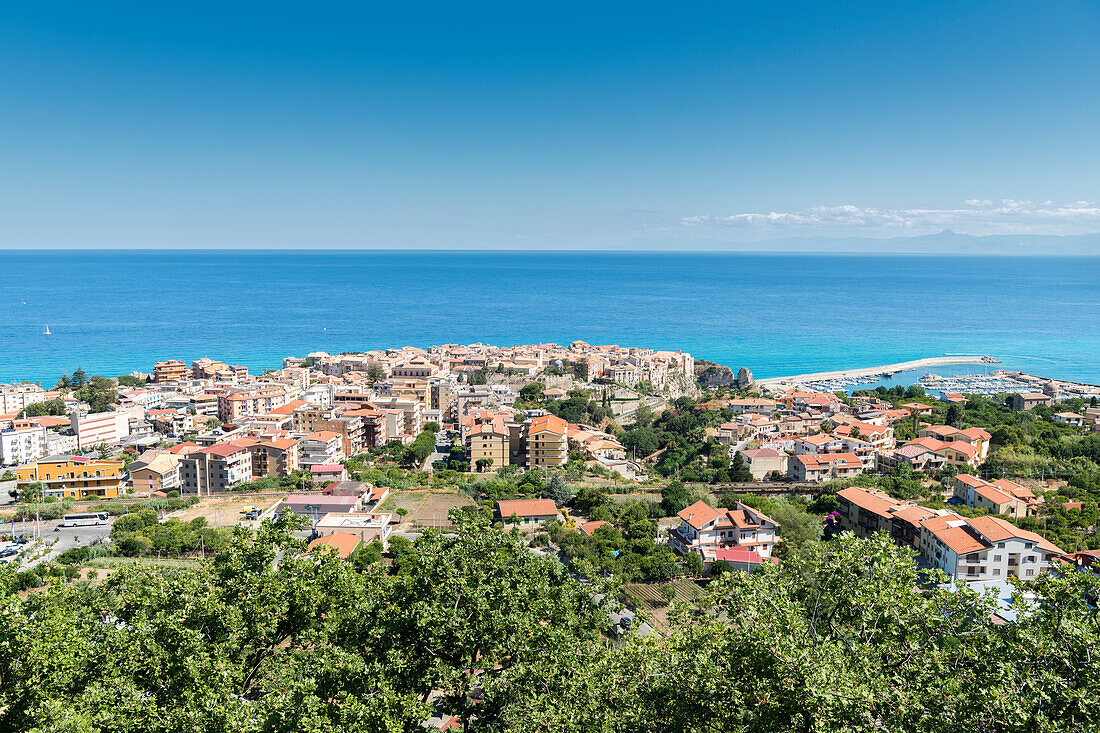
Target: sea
{"type": "Point", "coordinates": [113, 312]}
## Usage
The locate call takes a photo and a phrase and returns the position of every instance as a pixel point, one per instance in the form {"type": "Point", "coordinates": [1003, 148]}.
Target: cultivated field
{"type": "Point", "coordinates": [654, 603]}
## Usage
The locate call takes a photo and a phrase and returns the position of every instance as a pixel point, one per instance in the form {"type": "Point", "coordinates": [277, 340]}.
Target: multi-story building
{"type": "Point", "coordinates": [547, 442]}
{"type": "Point", "coordinates": [212, 469]}
{"type": "Point", "coordinates": [72, 477]}
{"type": "Point", "coordinates": [318, 419]}
{"type": "Point", "coordinates": [170, 371]}
{"type": "Point", "coordinates": [487, 444]}
{"type": "Point", "coordinates": [823, 467]}
{"type": "Point", "coordinates": [980, 548]}
{"type": "Point", "coordinates": [99, 427]}
{"type": "Point", "coordinates": [704, 529]}
{"type": "Point", "coordinates": [254, 400]}
{"type": "Point", "coordinates": [17, 397]}
{"type": "Point", "coordinates": [155, 470]}
{"type": "Point", "coordinates": [999, 497]}
{"type": "Point", "coordinates": [984, 548]}
{"type": "Point", "coordinates": [324, 447]}
{"type": "Point", "coordinates": [276, 457]}
{"type": "Point", "coordinates": [866, 511]}
{"type": "Point", "coordinates": [411, 419]}
{"type": "Point", "coordinates": [22, 444]}
{"type": "Point", "coordinates": [976, 438]}
{"type": "Point", "coordinates": [764, 461]}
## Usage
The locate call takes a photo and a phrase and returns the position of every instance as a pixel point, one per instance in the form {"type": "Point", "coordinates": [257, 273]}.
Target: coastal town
{"type": "Point", "coordinates": [655, 479]}
{"type": "Point", "coordinates": [210, 429]}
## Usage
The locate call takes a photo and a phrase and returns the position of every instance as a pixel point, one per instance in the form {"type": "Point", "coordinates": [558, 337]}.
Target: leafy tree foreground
{"type": "Point", "coordinates": [839, 637]}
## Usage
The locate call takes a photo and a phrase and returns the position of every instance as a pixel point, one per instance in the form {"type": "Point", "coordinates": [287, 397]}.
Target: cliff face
{"type": "Point", "coordinates": [710, 374]}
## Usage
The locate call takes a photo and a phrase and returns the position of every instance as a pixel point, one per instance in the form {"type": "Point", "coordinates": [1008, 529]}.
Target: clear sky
{"type": "Point", "coordinates": [543, 125]}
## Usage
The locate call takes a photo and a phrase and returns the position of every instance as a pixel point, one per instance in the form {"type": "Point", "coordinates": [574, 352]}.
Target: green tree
{"type": "Point", "coordinates": [79, 378]}
{"type": "Point", "coordinates": [375, 373]}
{"type": "Point", "coordinates": [738, 470]}
{"type": "Point", "coordinates": [557, 490]}
{"type": "Point", "coordinates": [674, 498]}
{"type": "Point", "coordinates": [580, 370]}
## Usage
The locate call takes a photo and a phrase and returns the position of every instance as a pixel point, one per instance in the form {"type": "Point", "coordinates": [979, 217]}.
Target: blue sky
{"type": "Point", "coordinates": [551, 125]}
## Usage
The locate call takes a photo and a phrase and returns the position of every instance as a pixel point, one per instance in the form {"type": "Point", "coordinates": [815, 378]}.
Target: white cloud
{"type": "Point", "coordinates": [983, 217]}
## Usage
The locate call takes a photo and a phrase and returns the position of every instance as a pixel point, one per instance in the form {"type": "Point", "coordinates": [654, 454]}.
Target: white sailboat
{"type": "Point", "coordinates": [47, 331]}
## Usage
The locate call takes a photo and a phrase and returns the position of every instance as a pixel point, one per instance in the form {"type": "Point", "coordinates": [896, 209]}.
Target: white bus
{"type": "Point", "coordinates": [84, 520]}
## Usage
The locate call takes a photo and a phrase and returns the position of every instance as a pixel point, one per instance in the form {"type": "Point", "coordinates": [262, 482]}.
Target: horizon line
{"type": "Point", "coordinates": [494, 250]}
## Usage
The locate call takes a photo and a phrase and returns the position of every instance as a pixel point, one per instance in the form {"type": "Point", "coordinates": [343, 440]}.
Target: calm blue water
{"type": "Point", "coordinates": [112, 312]}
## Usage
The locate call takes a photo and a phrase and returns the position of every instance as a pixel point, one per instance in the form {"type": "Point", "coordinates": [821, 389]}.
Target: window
{"type": "Point", "coordinates": [996, 558]}
{"type": "Point", "coordinates": [1030, 571]}
{"type": "Point", "coordinates": [1000, 545]}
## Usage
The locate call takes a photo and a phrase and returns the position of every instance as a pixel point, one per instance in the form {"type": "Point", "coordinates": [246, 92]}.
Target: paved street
{"type": "Point", "coordinates": [65, 537]}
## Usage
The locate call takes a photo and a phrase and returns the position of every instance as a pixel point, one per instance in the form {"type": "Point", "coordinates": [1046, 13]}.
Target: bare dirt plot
{"type": "Point", "coordinates": [423, 508]}
{"type": "Point", "coordinates": [224, 510]}
{"type": "Point", "coordinates": [433, 511]}
{"type": "Point", "coordinates": [654, 603]}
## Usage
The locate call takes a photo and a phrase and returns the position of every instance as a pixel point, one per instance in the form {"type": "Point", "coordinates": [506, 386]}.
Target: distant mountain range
{"type": "Point", "coordinates": [945, 242]}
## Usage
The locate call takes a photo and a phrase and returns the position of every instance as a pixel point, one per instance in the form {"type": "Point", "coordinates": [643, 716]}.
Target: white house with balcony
{"type": "Point", "coordinates": [704, 529]}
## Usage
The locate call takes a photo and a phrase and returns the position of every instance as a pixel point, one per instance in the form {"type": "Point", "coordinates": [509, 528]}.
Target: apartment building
{"type": "Point", "coordinates": [72, 477]}
{"type": "Point", "coordinates": [170, 370]}
{"type": "Point", "coordinates": [976, 438]}
{"type": "Point", "coordinates": [17, 397]}
{"type": "Point", "coordinates": [212, 469]}
{"type": "Point", "coordinates": [155, 470]}
{"type": "Point", "coordinates": [253, 400]}
{"type": "Point", "coordinates": [999, 497]}
{"type": "Point", "coordinates": [22, 444]}
{"type": "Point", "coordinates": [92, 429]}
{"type": "Point", "coordinates": [410, 422]}
{"type": "Point", "coordinates": [277, 457]}
{"type": "Point", "coordinates": [488, 441]}
{"type": "Point", "coordinates": [984, 548]}
{"type": "Point", "coordinates": [323, 447]}
{"type": "Point", "coordinates": [824, 467]}
{"type": "Point", "coordinates": [547, 442]}
{"type": "Point", "coordinates": [318, 419]}
{"type": "Point", "coordinates": [880, 437]}
{"type": "Point", "coordinates": [863, 512]}
{"type": "Point", "coordinates": [705, 530]}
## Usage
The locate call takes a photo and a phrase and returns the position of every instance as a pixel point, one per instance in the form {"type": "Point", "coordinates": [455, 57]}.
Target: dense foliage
{"type": "Point", "coordinates": [839, 638]}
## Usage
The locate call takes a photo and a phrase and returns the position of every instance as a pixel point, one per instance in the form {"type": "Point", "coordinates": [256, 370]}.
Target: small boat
{"type": "Point", "coordinates": [47, 331]}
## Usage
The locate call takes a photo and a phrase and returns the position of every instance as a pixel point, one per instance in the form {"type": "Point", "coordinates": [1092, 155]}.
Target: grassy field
{"type": "Point", "coordinates": [652, 602]}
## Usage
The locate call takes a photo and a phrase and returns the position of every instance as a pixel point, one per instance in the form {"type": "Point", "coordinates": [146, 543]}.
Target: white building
{"type": "Point", "coordinates": [101, 427]}
{"type": "Point", "coordinates": [984, 548]}
{"type": "Point", "coordinates": [704, 529]}
{"type": "Point", "coordinates": [16, 397]}
{"type": "Point", "coordinates": [325, 447]}
{"type": "Point", "coordinates": [22, 445]}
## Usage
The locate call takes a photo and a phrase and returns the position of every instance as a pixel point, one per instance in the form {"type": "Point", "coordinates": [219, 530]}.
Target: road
{"type": "Point", "coordinates": [66, 537]}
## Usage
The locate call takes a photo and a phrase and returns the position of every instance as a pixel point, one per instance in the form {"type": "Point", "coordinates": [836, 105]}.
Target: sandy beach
{"type": "Point", "coordinates": [877, 370]}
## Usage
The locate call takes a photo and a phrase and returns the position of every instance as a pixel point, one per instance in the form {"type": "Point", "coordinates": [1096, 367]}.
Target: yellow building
{"type": "Point", "coordinates": [72, 477]}
{"type": "Point", "coordinates": [488, 441]}
{"type": "Point", "coordinates": [547, 442]}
